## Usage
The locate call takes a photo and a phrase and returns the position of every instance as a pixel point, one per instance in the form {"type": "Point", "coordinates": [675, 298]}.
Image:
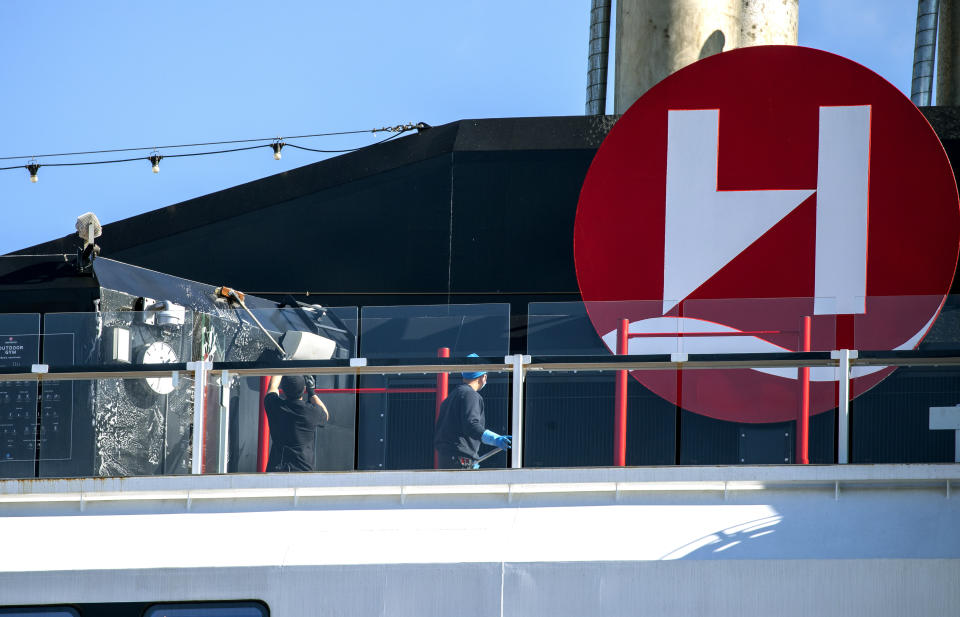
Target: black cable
{"type": "Point", "coordinates": [165, 156]}
{"type": "Point", "coordinates": [145, 158]}
{"type": "Point", "coordinates": [171, 156]}
{"type": "Point", "coordinates": [208, 143]}
{"type": "Point", "coordinates": [139, 158]}
{"type": "Point", "coordinates": [394, 136]}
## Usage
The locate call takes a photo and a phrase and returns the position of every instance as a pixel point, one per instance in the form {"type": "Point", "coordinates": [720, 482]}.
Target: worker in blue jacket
{"type": "Point", "coordinates": [461, 426]}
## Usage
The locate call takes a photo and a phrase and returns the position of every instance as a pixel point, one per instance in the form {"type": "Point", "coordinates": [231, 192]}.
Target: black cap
{"type": "Point", "coordinates": [293, 386]}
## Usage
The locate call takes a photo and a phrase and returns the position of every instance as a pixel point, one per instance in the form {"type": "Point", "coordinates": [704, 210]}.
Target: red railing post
{"type": "Point", "coordinates": [263, 434]}
{"type": "Point", "coordinates": [803, 424]}
{"type": "Point", "coordinates": [443, 384]}
{"type": "Point", "coordinates": [620, 411]}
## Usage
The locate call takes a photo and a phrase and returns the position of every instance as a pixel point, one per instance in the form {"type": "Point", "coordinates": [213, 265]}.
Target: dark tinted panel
{"type": "Point", "coordinates": [208, 609]}
{"type": "Point", "coordinates": [39, 611]}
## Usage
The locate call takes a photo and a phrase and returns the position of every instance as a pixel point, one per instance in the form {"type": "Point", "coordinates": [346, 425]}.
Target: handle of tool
{"type": "Point", "coordinates": [254, 318]}
{"type": "Point", "coordinates": [489, 454]}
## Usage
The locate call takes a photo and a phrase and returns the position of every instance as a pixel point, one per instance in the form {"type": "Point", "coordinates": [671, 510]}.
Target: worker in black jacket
{"type": "Point", "coordinates": [293, 417]}
{"type": "Point", "coordinates": [461, 426]}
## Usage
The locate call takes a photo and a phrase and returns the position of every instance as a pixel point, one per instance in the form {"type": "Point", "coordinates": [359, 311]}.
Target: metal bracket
{"type": "Point", "coordinates": [836, 353]}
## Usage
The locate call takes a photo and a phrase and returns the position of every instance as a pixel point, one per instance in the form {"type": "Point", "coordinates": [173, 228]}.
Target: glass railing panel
{"type": "Point", "coordinates": [902, 323]}
{"type": "Point", "coordinates": [116, 426]}
{"type": "Point", "coordinates": [575, 427]}
{"type": "Point", "coordinates": [19, 345]}
{"type": "Point", "coordinates": [570, 420]}
{"type": "Point", "coordinates": [397, 412]}
{"type": "Point", "coordinates": [307, 332]}
{"type": "Point", "coordinates": [890, 422]}
{"type": "Point", "coordinates": [756, 325]}
{"type": "Point", "coordinates": [19, 348]}
{"type": "Point", "coordinates": [891, 405]}
{"type": "Point", "coordinates": [720, 426]}
{"type": "Point", "coordinates": [62, 439]}
{"type": "Point", "coordinates": [699, 416]}
{"type": "Point", "coordinates": [591, 328]}
{"type": "Point", "coordinates": [752, 415]}
{"type": "Point", "coordinates": [303, 333]}
{"type": "Point", "coordinates": [562, 329]}
{"type": "Point", "coordinates": [18, 428]}
{"type": "Point", "coordinates": [421, 331]}
{"type": "Point", "coordinates": [117, 338]}
{"type": "Point", "coordinates": [247, 429]}
{"type": "Point", "coordinates": [751, 325]}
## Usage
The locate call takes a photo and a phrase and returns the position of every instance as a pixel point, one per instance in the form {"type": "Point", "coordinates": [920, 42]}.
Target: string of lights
{"type": "Point", "coordinates": [33, 163]}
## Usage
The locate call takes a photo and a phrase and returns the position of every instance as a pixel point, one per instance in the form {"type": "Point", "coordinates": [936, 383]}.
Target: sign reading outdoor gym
{"type": "Point", "coordinates": [754, 189]}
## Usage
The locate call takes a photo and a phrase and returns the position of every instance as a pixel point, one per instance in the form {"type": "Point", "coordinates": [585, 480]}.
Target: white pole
{"type": "Point", "coordinates": [843, 406]}
{"type": "Point", "coordinates": [224, 443]}
{"type": "Point", "coordinates": [516, 426]}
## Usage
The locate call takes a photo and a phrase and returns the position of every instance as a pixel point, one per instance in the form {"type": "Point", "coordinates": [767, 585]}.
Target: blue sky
{"type": "Point", "coordinates": [97, 74]}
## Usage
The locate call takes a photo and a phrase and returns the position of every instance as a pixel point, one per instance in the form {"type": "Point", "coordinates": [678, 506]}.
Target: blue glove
{"type": "Point", "coordinates": [492, 439]}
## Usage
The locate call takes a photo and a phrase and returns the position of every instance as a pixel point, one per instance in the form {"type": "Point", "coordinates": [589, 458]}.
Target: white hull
{"type": "Point", "coordinates": [785, 540]}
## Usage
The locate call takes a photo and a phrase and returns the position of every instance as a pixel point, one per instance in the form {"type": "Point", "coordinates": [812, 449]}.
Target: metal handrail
{"type": "Point", "coordinates": [395, 366]}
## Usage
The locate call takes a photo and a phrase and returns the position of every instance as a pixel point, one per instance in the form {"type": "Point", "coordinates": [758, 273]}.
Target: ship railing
{"type": "Point", "coordinates": [211, 381]}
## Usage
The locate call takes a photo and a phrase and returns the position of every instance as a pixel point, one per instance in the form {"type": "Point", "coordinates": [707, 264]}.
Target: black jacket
{"type": "Point", "coordinates": [292, 430]}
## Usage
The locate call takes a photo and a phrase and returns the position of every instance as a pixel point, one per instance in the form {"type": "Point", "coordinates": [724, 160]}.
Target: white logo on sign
{"type": "Point", "coordinates": [707, 228]}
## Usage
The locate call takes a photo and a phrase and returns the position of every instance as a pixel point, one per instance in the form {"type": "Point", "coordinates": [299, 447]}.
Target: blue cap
{"type": "Point", "coordinates": [473, 374]}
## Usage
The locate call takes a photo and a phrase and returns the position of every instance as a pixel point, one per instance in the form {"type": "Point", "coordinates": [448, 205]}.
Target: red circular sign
{"type": "Point", "coordinates": [754, 189]}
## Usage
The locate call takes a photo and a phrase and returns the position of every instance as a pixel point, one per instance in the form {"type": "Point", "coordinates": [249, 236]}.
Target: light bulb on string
{"type": "Point", "coordinates": [277, 145]}
{"type": "Point", "coordinates": [33, 167]}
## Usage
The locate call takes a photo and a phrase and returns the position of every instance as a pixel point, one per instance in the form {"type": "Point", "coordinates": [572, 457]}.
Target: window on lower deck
{"type": "Point", "coordinates": [207, 609]}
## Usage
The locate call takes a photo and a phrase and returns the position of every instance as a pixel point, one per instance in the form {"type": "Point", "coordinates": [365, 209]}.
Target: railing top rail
{"type": "Point", "coordinates": [379, 366]}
